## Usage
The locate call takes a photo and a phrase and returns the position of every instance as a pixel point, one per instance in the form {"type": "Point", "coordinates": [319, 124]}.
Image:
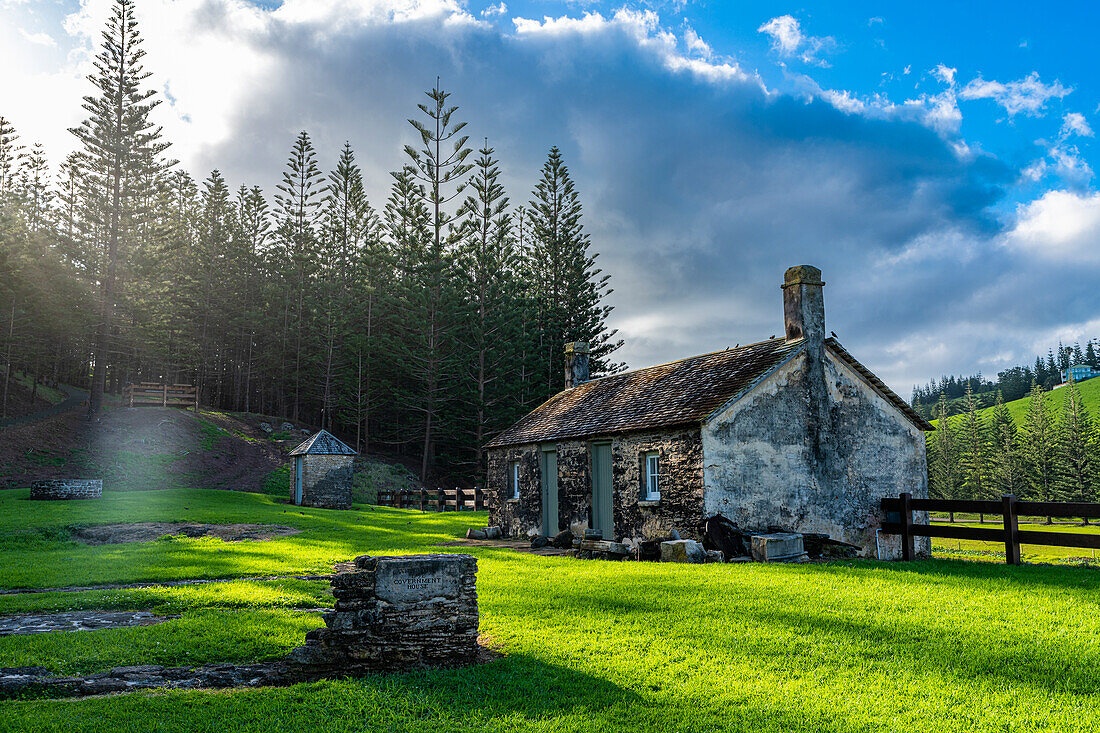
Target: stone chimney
{"type": "Point", "coordinates": [576, 363]}
{"type": "Point", "coordinates": [803, 304]}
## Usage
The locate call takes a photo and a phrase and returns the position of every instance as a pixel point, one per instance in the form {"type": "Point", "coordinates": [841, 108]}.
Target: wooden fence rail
{"type": "Point", "coordinates": [899, 515]}
{"type": "Point", "coordinates": [165, 395]}
{"type": "Point", "coordinates": [434, 500]}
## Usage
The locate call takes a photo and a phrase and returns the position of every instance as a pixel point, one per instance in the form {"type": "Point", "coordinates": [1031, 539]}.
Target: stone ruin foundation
{"type": "Point", "coordinates": [393, 614]}
{"type": "Point", "coordinates": [72, 488]}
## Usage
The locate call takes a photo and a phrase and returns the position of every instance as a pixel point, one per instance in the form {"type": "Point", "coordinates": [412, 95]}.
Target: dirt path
{"type": "Point", "coordinates": [74, 398]}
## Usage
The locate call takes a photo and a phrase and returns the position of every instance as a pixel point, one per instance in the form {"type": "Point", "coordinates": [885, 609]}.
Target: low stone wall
{"type": "Point", "coordinates": [73, 488]}
{"type": "Point", "coordinates": [396, 614]}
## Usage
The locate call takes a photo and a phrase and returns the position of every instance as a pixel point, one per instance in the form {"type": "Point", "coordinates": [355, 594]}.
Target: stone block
{"type": "Point", "coordinates": [493, 533]}
{"type": "Point", "coordinates": [688, 551]}
{"type": "Point", "coordinates": [476, 534]}
{"type": "Point", "coordinates": [715, 556]}
{"type": "Point", "coordinates": [612, 548]}
{"type": "Point", "coordinates": [62, 489]}
{"type": "Point", "coordinates": [395, 614]}
{"type": "Point", "coordinates": [777, 547]}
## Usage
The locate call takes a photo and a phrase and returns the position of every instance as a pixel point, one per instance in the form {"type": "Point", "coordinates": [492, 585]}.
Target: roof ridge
{"type": "Point", "coordinates": [739, 347]}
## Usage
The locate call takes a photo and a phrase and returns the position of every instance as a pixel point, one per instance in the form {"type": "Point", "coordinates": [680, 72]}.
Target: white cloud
{"type": "Point", "coordinates": [492, 10]}
{"type": "Point", "coordinates": [788, 40]}
{"type": "Point", "coordinates": [39, 39]}
{"type": "Point", "coordinates": [1063, 158]}
{"type": "Point", "coordinates": [945, 73]}
{"type": "Point", "coordinates": [1060, 225]}
{"type": "Point", "coordinates": [1074, 123]}
{"type": "Point", "coordinates": [645, 29]}
{"type": "Point", "coordinates": [695, 44]}
{"type": "Point", "coordinates": [1028, 96]}
{"type": "Point", "coordinates": [785, 32]}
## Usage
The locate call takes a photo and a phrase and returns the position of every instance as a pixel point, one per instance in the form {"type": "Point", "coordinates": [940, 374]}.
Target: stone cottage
{"type": "Point", "coordinates": [322, 472]}
{"type": "Point", "coordinates": [790, 432]}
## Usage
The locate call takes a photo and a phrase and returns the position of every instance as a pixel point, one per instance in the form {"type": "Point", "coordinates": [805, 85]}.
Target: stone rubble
{"type": "Point", "coordinates": [778, 547]}
{"type": "Point", "coordinates": [688, 551]}
{"type": "Point", "coordinates": [43, 623]}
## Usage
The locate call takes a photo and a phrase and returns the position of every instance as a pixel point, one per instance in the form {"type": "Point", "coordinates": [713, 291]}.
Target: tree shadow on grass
{"type": "Point", "coordinates": [1000, 654]}
{"type": "Point", "coordinates": [1059, 577]}
{"type": "Point", "coordinates": [517, 692]}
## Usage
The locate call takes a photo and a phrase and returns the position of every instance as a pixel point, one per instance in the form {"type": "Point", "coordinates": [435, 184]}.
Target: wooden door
{"type": "Point", "coordinates": [549, 492]}
{"type": "Point", "coordinates": [298, 480]}
{"type": "Point", "coordinates": [602, 516]}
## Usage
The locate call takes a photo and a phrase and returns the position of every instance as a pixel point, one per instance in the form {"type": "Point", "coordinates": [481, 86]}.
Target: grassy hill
{"type": "Point", "coordinates": [1090, 395]}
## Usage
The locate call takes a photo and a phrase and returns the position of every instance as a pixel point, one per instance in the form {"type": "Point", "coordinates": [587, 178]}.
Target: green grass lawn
{"type": "Point", "coordinates": [944, 645]}
{"type": "Point", "coordinates": [995, 551]}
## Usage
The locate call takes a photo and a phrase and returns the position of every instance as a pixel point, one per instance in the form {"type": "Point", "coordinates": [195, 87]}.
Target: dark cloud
{"type": "Point", "coordinates": [699, 191]}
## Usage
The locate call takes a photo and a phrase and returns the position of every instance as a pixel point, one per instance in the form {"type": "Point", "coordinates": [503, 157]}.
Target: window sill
{"type": "Point", "coordinates": [513, 500]}
{"type": "Point", "coordinates": [649, 502]}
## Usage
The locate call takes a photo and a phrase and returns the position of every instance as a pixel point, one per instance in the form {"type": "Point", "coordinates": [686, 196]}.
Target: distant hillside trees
{"type": "Point", "coordinates": [1044, 459]}
{"type": "Point", "coordinates": [1012, 384]}
{"type": "Point", "coordinates": [419, 328]}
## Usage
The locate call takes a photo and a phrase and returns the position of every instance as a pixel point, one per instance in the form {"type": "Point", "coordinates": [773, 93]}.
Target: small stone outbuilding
{"type": "Point", "coordinates": [790, 432]}
{"type": "Point", "coordinates": [322, 472]}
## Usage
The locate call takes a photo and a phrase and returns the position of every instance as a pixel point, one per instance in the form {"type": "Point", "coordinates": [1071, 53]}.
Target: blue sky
{"type": "Point", "coordinates": [934, 159]}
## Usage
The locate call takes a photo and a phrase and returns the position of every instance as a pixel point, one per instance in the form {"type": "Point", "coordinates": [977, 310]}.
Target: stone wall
{"type": "Point", "coordinates": [514, 516]}
{"type": "Point", "coordinates": [768, 464]}
{"type": "Point", "coordinates": [55, 489]}
{"type": "Point", "coordinates": [326, 481]}
{"type": "Point", "coordinates": [681, 481]}
{"type": "Point", "coordinates": [396, 614]}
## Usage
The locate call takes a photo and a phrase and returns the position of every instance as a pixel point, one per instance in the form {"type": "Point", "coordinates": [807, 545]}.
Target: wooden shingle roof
{"type": "Point", "coordinates": [681, 392]}
{"type": "Point", "coordinates": [323, 443]}
{"type": "Point", "coordinates": [678, 393]}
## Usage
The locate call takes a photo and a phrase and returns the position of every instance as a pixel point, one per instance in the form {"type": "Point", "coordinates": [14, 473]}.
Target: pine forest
{"type": "Point", "coordinates": [417, 326]}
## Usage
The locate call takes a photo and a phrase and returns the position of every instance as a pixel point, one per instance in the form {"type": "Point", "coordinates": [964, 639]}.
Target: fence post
{"type": "Point", "coordinates": [479, 499]}
{"type": "Point", "coordinates": [164, 398]}
{"type": "Point", "coordinates": [906, 527]}
{"type": "Point", "coordinates": [1012, 529]}
{"type": "Point", "coordinates": [423, 499]}
{"type": "Point", "coordinates": [458, 499]}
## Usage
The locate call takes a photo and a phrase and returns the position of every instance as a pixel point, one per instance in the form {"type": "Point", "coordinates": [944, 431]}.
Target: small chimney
{"type": "Point", "coordinates": [803, 304]}
{"type": "Point", "coordinates": [576, 363]}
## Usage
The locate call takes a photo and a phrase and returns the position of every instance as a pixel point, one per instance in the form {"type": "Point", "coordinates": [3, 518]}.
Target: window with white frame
{"type": "Point", "coordinates": [515, 480]}
{"type": "Point", "coordinates": [652, 488]}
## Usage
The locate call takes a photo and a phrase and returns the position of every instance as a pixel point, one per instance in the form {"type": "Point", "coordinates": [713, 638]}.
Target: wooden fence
{"type": "Point", "coordinates": [899, 516]}
{"type": "Point", "coordinates": [434, 500]}
{"type": "Point", "coordinates": [165, 395]}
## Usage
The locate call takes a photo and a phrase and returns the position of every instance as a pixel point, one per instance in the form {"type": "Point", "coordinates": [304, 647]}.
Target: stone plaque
{"type": "Point", "coordinates": [400, 580]}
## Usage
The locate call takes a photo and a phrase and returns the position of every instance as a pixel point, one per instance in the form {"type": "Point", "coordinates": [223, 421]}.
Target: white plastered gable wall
{"type": "Point", "coordinates": [758, 455]}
